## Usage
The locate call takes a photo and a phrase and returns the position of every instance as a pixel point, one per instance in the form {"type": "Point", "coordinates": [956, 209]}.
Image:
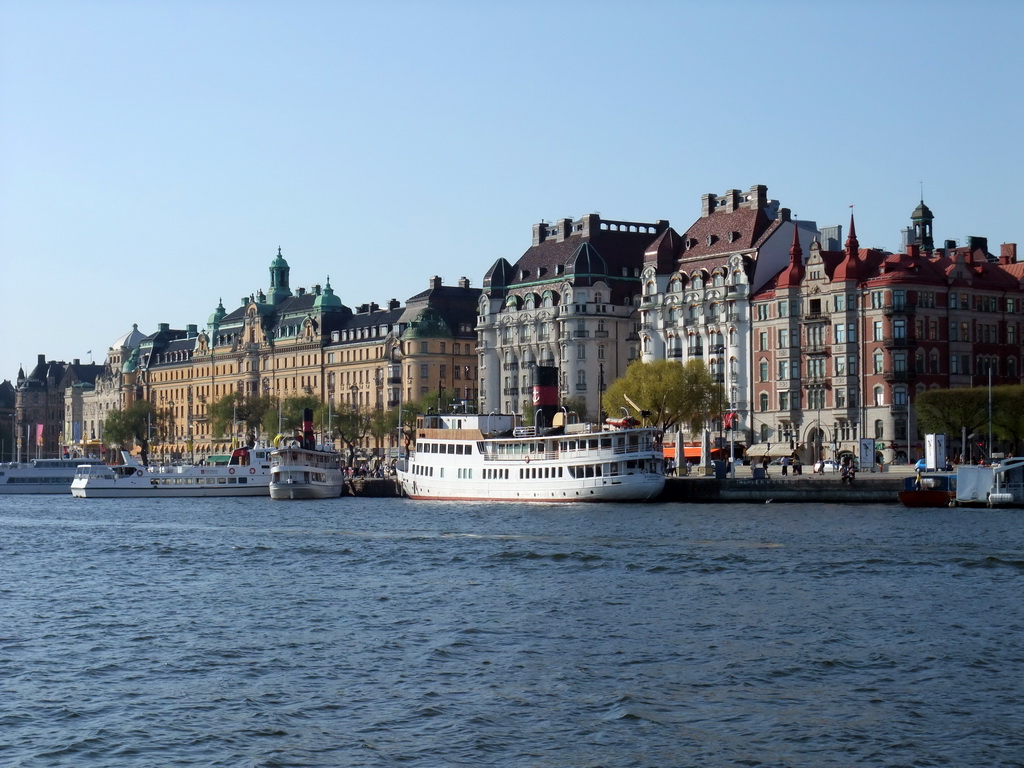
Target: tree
{"type": "Point", "coordinates": [951, 410]}
{"type": "Point", "coordinates": [286, 418]}
{"type": "Point", "coordinates": [672, 393]}
{"type": "Point", "coordinates": [125, 427]}
{"type": "Point", "coordinates": [226, 414]}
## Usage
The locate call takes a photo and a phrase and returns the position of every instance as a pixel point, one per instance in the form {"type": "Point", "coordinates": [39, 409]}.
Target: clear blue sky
{"type": "Point", "coordinates": [154, 155]}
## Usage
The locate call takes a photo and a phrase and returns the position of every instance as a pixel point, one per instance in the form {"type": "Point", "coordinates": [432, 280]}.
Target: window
{"type": "Point", "coordinates": [879, 396]}
{"type": "Point", "coordinates": [783, 401]}
{"type": "Point", "coordinates": [840, 333]}
{"type": "Point", "coordinates": [783, 370]}
{"type": "Point", "coordinates": [840, 302]}
{"type": "Point", "coordinates": [877, 330]}
{"type": "Point", "coordinates": [783, 338]}
{"type": "Point", "coordinates": [762, 341]}
{"type": "Point", "coordinates": [581, 351]}
{"type": "Point", "coordinates": [763, 370]}
{"type": "Point", "coordinates": [879, 429]}
{"type": "Point", "coordinates": [877, 299]}
{"type": "Point", "coordinates": [764, 402]}
{"type": "Point", "coordinates": [879, 362]}
{"type": "Point", "coordinates": [840, 397]}
{"type": "Point", "coordinates": [424, 348]}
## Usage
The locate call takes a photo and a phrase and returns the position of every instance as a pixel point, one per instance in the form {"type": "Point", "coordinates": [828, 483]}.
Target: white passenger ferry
{"type": "Point", "coordinates": [40, 475]}
{"type": "Point", "coordinates": [302, 470]}
{"type": "Point", "coordinates": [487, 458]}
{"type": "Point", "coordinates": [247, 473]}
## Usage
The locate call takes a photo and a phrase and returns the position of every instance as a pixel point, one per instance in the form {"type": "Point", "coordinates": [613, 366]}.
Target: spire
{"type": "Point", "coordinates": [793, 274]}
{"type": "Point", "coordinates": [852, 246]}
{"type": "Point", "coordinates": [849, 267]}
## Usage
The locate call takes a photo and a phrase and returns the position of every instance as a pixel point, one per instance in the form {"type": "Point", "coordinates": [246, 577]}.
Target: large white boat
{"type": "Point", "coordinates": [302, 470]}
{"type": "Point", "coordinates": [487, 458]}
{"type": "Point", "coordinates": [40, 475]}
{"type": "Point", "coordinates": [247, 473]}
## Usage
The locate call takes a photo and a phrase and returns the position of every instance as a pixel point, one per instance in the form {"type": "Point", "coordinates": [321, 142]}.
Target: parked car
{"type": "Point", "coordinates": [828, 465]}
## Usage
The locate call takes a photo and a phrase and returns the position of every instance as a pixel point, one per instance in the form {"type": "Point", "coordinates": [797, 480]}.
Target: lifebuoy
{"type": "Point", "coordinates": [138, 472]}
{"type": "Point", "coordinates": [252, 470]}
{"type": "Point", "coordinates": [231, 470]}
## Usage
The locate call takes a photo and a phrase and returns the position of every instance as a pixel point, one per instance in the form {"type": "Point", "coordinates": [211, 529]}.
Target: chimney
{"type": "Point", "coordinates": [758, 197]}
{"type": "Point", "coordinates": [162, 327]}
{"type": "Point", "coordinates": [707, 205]}
{"type": "Point", "coordinates": [732, 200]}
{"type": "Point", "coordinates": [435, 282]}
{"type": "Point", "coordinates": [463, 282]}
{"type": "Point", "coordinates": [913, 251]}
{"type": "Point", "coordinates": [76, 361]}
{"type": "Point", "coordinates": [374, 306]}
{"type": "Point", "coordinates": [564, 229]}
{"type": "Point", "coordinates": [540, 232]}
{"type": "Point", "coordinates": [191, 331]}
{"type": "Point", "coordinates": [1008, 253]}
{"type": "Point", "coordinates": [394, 304]}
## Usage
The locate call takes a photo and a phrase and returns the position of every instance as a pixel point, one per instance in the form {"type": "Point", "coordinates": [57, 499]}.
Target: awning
{"type": "Point", "coordinates": [760, 450]}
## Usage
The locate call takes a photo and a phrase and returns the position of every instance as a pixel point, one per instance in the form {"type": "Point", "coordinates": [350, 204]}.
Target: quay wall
{"type": "Point", "coordinates": [816, 490]}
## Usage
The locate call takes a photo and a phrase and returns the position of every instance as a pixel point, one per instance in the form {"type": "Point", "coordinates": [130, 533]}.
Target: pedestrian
{"type": "Point", "coordinates": [785, 466]}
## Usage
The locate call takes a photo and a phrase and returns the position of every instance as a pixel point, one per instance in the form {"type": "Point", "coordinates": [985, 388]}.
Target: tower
{"type": "Point", "coordinates": [921, 218]}
{"type": "Point", "coordinates": [279, 270]}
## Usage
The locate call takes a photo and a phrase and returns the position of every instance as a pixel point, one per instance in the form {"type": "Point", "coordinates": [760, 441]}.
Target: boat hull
{"type": "Point", "coordinates": [297, 491]}
{"type": "Point", "coordinates": [642, 488]}
{"type": "Point", "coordinates": [925, 498]}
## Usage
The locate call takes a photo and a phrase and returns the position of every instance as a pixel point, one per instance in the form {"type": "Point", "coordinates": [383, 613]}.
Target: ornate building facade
{"type": "Point", "coordinates": [844, 341]}
{"type": "Point", "coordinates": [569, 301]}
{"type": "Point", "coordinates": [697, 288]}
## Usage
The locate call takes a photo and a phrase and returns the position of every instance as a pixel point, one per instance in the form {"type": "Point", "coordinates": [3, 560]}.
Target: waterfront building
{"type": "Point", "coordinates": [7, 401]}
{"type": "Point", "coordinates": [286, 342]}
{"type": "Point", "coordinates": [39, 408]}
{"type": "Point", "coordinates": [697, 288]}
{"type": "Point", "coordinates": [569, 301]}
{"type": "Point", "coordinates": [846, 339]}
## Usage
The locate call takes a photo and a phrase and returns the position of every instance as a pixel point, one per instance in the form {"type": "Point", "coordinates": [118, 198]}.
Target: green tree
{"type": "Point", "coordinates": [951, 410]}
{"type": "Point", "coordinates": [123, 428]}
{"type": "Point", "coordinates": [672, 394]}
{"type": "Point", "coordinates": [236, 412]}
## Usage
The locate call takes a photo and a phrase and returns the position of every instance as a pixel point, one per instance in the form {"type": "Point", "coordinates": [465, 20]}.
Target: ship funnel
{"type": "Point", "coordinates": [545, 395]}
{"type": "Point", "coordinates": [308, 439]}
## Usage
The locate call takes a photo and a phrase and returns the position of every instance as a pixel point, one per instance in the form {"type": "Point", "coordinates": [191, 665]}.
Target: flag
{"type": "Point", "coordinates": [729, 419]}
{"type": "Point", "coordinates": [39, 434]}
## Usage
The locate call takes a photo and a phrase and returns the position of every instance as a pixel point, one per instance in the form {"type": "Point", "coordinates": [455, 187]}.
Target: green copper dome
{"type": "Point", "coordinates": [327, 300]}
{"type": "Point", "coordinates": [428, 325]}
{"type": "Point", "coordinates": [217, 315]}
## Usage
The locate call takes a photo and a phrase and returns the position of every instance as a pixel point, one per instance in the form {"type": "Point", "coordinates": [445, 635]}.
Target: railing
{"type": "Point", "coordinates": [902, 308]}
{"type": "Point", "coordinates": [899, 341]}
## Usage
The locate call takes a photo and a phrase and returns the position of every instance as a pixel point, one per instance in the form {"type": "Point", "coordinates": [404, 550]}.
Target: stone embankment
{"type": "Point", "coordinates": [828, 489]}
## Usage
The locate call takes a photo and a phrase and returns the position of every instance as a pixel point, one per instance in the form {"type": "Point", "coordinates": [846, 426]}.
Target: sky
{"type": "Point", "coordinates": [155, 155]}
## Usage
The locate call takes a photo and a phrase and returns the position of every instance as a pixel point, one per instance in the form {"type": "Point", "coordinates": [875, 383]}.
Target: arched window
{"type": "Point", "coordinates": [764, 401]}
{"type": "Point", "coordinates": [879, 429]}
{"type": "Point", "coordinates": [879, 396]}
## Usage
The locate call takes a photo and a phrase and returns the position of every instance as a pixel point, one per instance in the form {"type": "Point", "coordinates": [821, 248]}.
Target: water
{"type": "Point", "coordinates": [392, 633]}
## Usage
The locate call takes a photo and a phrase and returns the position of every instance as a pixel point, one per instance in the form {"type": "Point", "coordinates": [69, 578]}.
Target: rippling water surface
{"type": "Point", "coordinates": [394, 633]}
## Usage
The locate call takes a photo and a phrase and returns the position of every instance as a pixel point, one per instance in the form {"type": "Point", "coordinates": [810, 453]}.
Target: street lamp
{"type": "Point", "coordinates": [354, 389]}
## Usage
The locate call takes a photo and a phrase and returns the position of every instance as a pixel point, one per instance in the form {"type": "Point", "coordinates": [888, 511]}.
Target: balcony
{"type": "Point", "coordinates": [899, 342]}
{"type": "Point", "coordinates": [815, 349]}
{"type": "Point", "coordinates": [581, 334]}
{"type": "Point", "coordinates": [674, 354]}
{"type": "Point", "coordinates": [908, 374]}
{"type": "Point", "coordinates": [898, 408]}
{"type": "Point", "coordinates": [600, 334]}
{"type": "Point", "coordinates": [511, 391]}
{"type": "Point", "coordinates": [903, 308]}
{"type": "Point", "coordinates": [813, 317]}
